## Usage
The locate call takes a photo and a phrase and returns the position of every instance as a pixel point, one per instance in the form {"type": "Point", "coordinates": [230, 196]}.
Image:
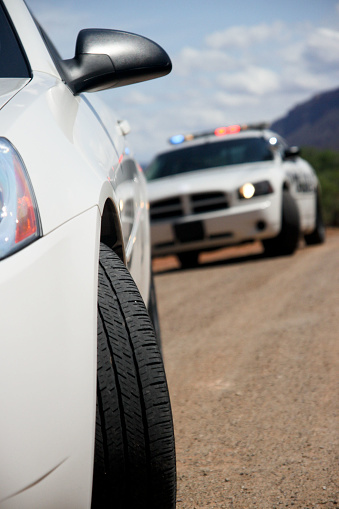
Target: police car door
{"type": "Point", "coordinates": [303, 187]}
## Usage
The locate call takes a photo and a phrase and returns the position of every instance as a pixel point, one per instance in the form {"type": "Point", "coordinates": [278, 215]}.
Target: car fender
{"type": "Point", "coordinates": [61, 163]}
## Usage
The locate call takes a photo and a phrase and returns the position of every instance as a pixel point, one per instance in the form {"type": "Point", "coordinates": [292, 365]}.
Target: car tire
{"type": "Point", "coordinates": [134, 460]}
{"type": "Point", "coordinates": [188, 259]}
{"type": "Point", "coordinates": [318, 235]}
{"type": "Point", "coordinates": [287, 241]}
{"type": "Point", "coordinates": [153, 313]}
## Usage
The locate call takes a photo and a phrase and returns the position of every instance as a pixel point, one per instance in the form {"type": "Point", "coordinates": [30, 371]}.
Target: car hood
{"type": "Point", "coordinates": [226, 178]}
{"type": "Point", "coordinates": [9, 87]}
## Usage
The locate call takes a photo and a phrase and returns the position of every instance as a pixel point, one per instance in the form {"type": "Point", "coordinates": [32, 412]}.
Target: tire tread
{"type": "Point", "coordinates": [134, 435]}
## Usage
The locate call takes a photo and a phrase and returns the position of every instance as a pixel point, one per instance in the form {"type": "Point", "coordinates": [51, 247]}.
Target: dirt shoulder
{"type": "Point", "coordinates": [251, 348]}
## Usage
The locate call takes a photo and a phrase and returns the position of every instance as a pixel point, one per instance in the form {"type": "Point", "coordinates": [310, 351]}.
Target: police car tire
{"type": "Point", "coordinates": [287, 241]}
{"type": "Point", "coordinates": [188, 259]}
{"type": "Point", "coordinates": [134, 461]}
{"type": "Point", "coordinates": [318, 235]}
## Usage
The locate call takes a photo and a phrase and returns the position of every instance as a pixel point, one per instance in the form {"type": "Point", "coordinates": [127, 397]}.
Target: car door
{"type": "Point", "coordinates": [131, 193]}
{"type": "Point", "coordinates": [303, 183]}
{"type": "Point", "coordinates": [303, 188]}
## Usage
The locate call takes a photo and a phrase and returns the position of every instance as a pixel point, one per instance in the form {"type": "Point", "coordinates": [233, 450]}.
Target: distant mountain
{"type": "Point", "coordinates": [314, 123]}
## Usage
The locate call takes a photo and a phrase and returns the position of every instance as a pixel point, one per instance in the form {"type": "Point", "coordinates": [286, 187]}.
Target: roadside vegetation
{"type": "Point", "coordinates": [326, 164]}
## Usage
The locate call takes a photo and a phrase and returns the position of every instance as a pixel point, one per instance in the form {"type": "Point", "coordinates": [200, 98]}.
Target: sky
{"type": "Point", "coordinates": [234, 61]}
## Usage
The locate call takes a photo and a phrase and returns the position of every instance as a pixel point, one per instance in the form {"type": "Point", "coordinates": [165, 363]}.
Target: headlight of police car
{"type": "Point", "coordinates": [249, 190]}
{"type": "Point", "coordinates": [19, 217]}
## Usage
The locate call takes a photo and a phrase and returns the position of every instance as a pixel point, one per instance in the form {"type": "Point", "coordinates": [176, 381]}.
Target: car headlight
{"type": "Point", "coordinates": [19, 216]}
{"type": "Point", "coordinates": [249, 190]}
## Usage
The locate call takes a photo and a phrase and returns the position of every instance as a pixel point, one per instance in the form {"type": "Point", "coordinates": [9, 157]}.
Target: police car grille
{"type": "Point", "coordinates": [197, 203]}
{"type": "Point", "coordinates": [208, 202]}
{"type": "Point", "coordinates": [164, 209]}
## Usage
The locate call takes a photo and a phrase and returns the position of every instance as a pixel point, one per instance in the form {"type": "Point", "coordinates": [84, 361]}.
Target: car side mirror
{"type": "Point", "coordinates": [291, 152]}
{"type": "Point", "coordinates": [111, 58]}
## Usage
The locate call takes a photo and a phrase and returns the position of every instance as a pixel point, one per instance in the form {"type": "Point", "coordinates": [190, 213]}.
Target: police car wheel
{"type": "Point", "coordinates": [287, 241]}
{"type": "Point", "coordinates": [188, 259]}
{"type": "Point", "coordinates": [318, 234]}
{"type": "Point", "coordinates": [134, 460]}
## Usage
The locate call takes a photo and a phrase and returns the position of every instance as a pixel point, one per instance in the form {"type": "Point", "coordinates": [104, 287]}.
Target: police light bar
{"type": "Point", "coordinates": [219, 131]}
{"type": "Point", "coordinates": [231, 129]}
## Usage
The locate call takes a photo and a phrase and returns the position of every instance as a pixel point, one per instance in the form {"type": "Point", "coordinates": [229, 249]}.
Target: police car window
{"type": "Point", "coordinates": [209, 155]}
{"type": "Point", "coordinates": [13, 63]}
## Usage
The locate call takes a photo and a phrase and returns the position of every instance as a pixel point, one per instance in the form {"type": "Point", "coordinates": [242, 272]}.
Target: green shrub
{"type": "Point", "coordinates": [326, 165]}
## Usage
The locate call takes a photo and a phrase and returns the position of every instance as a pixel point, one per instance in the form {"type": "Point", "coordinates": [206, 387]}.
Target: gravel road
{"type": "Point", "coordinates": [251, 349]}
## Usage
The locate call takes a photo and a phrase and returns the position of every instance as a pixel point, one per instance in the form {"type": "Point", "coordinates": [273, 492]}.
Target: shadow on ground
{"type": "Point", "coordinates": [227, 256]}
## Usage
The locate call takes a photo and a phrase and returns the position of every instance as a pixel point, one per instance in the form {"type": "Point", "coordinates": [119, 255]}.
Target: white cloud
{"type": "Point", "coordinates": [192, 59]}
{"type": "Point", "coordinates": [322, 49]}
{"type": "Point", "coordinates": [291, 54]}
{"type": "Point", "coordinates": [234, 100]}
{"type": "Point", "coordinates": [245, 36]}
{"type": "Point", "coordinates": [311, 63]}
{"type": "Point", "coordinates": [245, 74]}
{"type": "Point", "coordinates": [252, 80]}
{"type": "Point", "coordinates": [136, 98]}
{"type": "Point", "coordinates": [305, 82]}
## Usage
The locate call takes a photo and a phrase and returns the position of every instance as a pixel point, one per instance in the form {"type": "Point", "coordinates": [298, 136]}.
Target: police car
{"type": "Point", "coordinates": [232, 185]}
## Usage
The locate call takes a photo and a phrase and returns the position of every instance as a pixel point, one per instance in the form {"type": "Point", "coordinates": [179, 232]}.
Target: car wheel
{"type": "Point", "coordinates": [153, 312]}
{"type": "Point", "coordinates": [318, 234]}
{"type": "Point", "coordinates": [188, 259]}
{"type": "Point", "coordinates": [288, 239]}
{"type": "Point", "coordinates": [134, 460]}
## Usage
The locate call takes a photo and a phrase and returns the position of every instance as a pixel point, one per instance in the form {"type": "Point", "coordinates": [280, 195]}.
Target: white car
{"type": "Point", "coordinates": [83, 393]}
{"type": "Point", "coordinates": [233, 185]}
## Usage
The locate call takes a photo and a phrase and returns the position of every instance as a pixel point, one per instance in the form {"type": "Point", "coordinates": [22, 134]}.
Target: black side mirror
{"type": "Point", "coordinates": [111, 58]}
{"type": "Point", "coordinates": [291, 152]}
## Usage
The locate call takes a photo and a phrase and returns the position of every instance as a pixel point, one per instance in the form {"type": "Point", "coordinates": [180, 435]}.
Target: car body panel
{"type": "Point", "coordinates": [303, 184]}
{"type": "Point", "coordinates": [9, 87]}
{"type": "Point", "coordinates": [48, 332]}
{"type": "Point", "coordinates": [76, 163]}
{"type": "Point", "coordinates": [47, 98]}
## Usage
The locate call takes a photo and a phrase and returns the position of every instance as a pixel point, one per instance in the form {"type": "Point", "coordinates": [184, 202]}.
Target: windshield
{"type": "Point", "coordinates": [13, 62]}
{"type": "Point", "coordinates": [209, 155]}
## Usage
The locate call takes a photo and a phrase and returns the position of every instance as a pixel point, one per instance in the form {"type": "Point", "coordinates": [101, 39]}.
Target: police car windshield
{"type": "Point", "coordinates": [209, 155]}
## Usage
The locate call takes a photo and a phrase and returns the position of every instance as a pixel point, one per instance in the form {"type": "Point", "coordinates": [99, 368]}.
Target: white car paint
{"type": "Point", "coordinates": [48, 368]}
{"type": "Point", "coordinates": [77, 159]}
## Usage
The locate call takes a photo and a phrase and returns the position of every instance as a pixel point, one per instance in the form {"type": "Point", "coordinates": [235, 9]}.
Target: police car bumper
{"type": "Point", "coordinates": [243, 223]}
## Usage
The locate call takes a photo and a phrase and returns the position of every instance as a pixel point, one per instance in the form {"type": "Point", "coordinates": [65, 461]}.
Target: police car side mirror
{"type": "Point", "coordinates": [111, 58]}
{"type": "Point", "coordinates": [291, 152]}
